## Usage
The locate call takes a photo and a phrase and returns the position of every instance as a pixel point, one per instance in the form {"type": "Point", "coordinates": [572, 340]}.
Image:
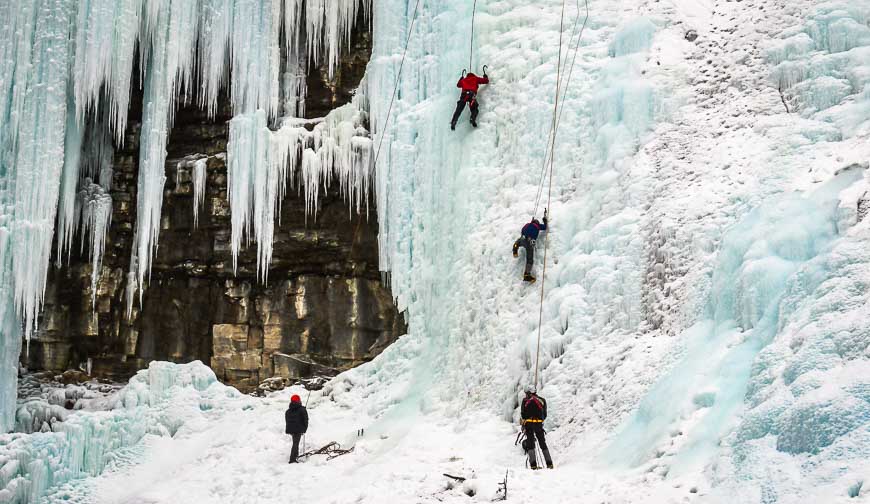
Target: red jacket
{"type": "Point", "coordinates": [472, 82]}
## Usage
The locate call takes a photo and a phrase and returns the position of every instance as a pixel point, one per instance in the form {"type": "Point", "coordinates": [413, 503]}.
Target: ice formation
{"type": "Point", "coordinates": [158, 401]}
{"type": "Point", "coordinates": [198, 165]}
{"type": "Point", "coordinates": [67, 72]}
{"type": "Point", "coordinates": [261, 161]}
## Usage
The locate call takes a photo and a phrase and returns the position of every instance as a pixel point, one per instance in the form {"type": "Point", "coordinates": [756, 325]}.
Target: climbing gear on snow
{"type": "Point", "coordinates": [331, 450]}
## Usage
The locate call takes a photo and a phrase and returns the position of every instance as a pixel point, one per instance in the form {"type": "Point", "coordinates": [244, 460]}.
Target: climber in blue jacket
{"type": "Point", "coordinates": [529, 235]}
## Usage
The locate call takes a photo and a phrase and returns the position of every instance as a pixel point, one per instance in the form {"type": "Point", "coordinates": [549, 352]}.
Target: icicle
{"type": "Point", "coordinates": [199, 178]}
{"type": "Point", "coordinates": [95, 218]}
{"type": "Point", "coordinates": [66, 212]}
{"type": "Point", "coordinates": [171, 28]}
{"type": "Point", "coordinates": [105, 47]}
{"type": "Point", "coordinates": [215, 28]}
{"type": "Point", "coordinates": [329, 25]}
{"type": "Point", "coordinates": [41, 110]}
{"type": "Point", "coordinates": [256, 56]}
{"type": "Point", "coordinates": [262, 161]}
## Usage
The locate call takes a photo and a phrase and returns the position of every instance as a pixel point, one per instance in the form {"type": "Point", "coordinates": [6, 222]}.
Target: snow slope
{"type": "Point", "coordinates": [703, 333]}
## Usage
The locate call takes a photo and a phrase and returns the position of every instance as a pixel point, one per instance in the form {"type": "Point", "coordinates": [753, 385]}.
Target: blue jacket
{"type": "Point", "coordinates": [532, 229]}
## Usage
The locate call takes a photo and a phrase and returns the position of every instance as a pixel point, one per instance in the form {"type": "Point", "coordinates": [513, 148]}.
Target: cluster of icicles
{"type": "Point", "coordinates": [66, 72]}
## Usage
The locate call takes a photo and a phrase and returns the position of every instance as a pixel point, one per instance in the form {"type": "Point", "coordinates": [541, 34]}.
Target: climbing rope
{"type": "Point", "coordinates": [331, 450]}
{"type": "Point", "coordinates": [396, 85]}
{"type": "Point", "coordinates": [471, 43]}
{"type": "Point", "coordinates": [552, 146]}
{"type": "Point", "coordinates": [554, 128]}
{"type": "Point", "coordinates": [387, 120]}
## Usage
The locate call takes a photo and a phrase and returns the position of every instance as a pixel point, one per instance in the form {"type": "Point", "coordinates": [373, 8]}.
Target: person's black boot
{"type": "Point", "coordinates": [547, 458]}
{"type": "Point", "coordinates": [474, 123]}
{"type": "Point", "coordinates": [529, 278]}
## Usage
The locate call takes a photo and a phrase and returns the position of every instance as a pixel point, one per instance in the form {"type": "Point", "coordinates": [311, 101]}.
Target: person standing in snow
{"type": "Point", "coordinates": [469, 85]}
{"type": "Point", "coordinates": [533, 413]}
{"type": "Point", "coordinates": [528, 236]}
{"type": "Point", "coordinates": [296, 420]}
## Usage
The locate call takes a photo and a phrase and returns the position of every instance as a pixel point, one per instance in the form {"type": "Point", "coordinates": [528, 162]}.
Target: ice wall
{"type": "Point", "coordinates": [66, 76]}
{"type": "Point", "coordinates": [823, 67]}
{"type": "Point", "coordinates": [451, 203]}
{"type": "Point", "coordinates": [158, 401]}
{"type": "Point", "coordinates": [763, 261]}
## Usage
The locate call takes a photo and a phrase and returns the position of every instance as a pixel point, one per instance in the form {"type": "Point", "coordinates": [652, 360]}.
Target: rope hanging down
{"type": "Point", "coordinates": [552, 147]}
{"type": "Point", "coordinates": [387, 120]}
{"type": "Point", "coordinates": [471, 43]}
{"type": "Point", "coordinates": [396, 85]}
{"type": "Point", "coordinates": [555, 127]}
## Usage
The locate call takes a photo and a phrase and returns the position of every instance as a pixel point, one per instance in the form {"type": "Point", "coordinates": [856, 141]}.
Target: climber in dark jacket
{"type": "Point", "coordinates": [296, 420]}
{"type": "Point", "coordinates": [533, 413]}
{"type": "Point", "coordinates": [469, 85]}
{"type": "Point", "coordinates": [527, 239]}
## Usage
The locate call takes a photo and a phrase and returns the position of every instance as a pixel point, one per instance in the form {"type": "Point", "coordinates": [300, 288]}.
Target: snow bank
{"type": "Point", "coordinates": [158, 401]}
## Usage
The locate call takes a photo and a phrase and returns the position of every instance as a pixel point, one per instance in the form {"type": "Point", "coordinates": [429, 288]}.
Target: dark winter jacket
{"type": "Point", "coordinates": [472, 82]}
{"type": "Point", "coordinates": [296, 418]}
{"type": "Point", "coordinates": [534, 408]}
{"type": "Point", "coordinates": [532, 229]}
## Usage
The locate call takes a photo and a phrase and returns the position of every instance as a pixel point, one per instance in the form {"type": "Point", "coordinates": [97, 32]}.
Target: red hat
{"type": "Point", "coordinates": [295, 398]}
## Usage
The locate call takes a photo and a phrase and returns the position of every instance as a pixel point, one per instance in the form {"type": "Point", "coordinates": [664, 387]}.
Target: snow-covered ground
{"type": "Point", "coordinates": [704, 334]}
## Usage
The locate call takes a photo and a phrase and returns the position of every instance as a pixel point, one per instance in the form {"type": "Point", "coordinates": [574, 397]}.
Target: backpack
{"type": "Point", "coordinates": [541, 402]}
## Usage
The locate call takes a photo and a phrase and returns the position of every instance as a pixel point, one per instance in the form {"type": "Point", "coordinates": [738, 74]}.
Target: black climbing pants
{"type": "Point", "coordinates": [294, 452]}
{"type": "Point", "coordinates": [528, 244]}
{"type": "Point", "coordinates": [466, 97]}
{"type": "Point", "coordinates": [536, 430]}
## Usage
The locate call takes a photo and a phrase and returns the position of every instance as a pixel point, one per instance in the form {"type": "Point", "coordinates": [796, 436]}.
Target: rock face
{"type": "Point", "coordinates": [323, 309]}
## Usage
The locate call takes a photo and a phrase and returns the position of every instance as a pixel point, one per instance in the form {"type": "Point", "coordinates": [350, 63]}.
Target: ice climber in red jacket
{"type": "Point", "coordinates": [469, 85]}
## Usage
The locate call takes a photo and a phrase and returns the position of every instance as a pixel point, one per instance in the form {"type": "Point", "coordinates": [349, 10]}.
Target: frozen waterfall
{"type": "Point", "coordinates": [66, 78]}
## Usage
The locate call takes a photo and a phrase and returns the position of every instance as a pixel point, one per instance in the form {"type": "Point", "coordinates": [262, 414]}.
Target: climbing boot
{"type": "Point", "coordinates": [474, 123]}
{"type": "Point", "coordinates": [550, 465]}
{"type": "Point", "coordinates": [452, 125]}
{"type": "Point", "coordinates": [529, 278]}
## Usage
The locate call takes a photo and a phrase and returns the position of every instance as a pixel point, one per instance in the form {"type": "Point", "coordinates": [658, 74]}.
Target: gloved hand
{"type": "Point", "coordinates": [515, 250]}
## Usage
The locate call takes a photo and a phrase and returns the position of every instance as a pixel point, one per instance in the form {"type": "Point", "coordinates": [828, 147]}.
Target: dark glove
{"type": "Point", "coordinates": [545, 221]}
